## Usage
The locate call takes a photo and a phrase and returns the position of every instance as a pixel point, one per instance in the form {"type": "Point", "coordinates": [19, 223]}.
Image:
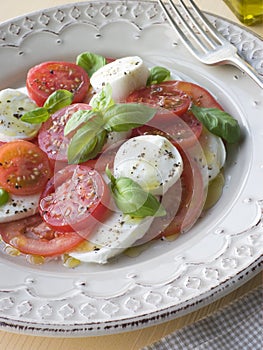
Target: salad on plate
{"type": "Point", "coordinates": [103, 155]}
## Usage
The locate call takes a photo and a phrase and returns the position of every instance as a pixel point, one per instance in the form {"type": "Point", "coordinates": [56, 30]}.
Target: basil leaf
{"type": "Point", "coordinates": [77, 119]}
{"type": "Point", "coordinates": [102, 100]}
{"type": "Point", "coordinates": [37, 116]}
{"type": "Point", "coordinates": [87, 142]}
{"type": "Point", "coordinates": [110, 175]}
{"type": "Point", "coordinates": [124, 117]}
{"type": "Point", "coordinates": [4, 196]}
{"type": "Point", "coordinates": [90, 62]}
{"type": "Point", "coordinates": [131, 199]}
{"type": "Point", "coordinates": [158, 74]}
{"type": "Point", "coordinates": [58, 100]}
{"type": "Point", "coordinates": [218, 122]}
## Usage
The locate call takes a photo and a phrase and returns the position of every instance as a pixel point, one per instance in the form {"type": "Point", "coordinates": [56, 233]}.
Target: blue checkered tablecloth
{"type": "Point", "coordinates": [238, 326]}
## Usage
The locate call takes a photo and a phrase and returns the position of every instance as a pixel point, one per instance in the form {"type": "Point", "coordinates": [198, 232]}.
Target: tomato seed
{"type": "Point", "coordinates": [67, 212]}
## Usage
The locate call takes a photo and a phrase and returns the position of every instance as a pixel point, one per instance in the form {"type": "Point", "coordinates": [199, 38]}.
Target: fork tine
{"type": "Point", "coordinates": [208, 24]}
{"type": "Point", "coordinates": [186, 25]}
{"type": "Point", "coordinates": [185, 39]}
{"type": "Point", "coordinates": [196, 23]}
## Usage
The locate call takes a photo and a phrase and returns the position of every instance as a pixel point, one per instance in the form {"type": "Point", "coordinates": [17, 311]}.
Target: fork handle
{"type": "Point", "coordinates": [237, 61]}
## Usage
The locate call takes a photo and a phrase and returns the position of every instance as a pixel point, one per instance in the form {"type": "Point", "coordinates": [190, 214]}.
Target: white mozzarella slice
{"type": "Point", "coordinates": [150, 160]}
{"type": "Point", "coordinates": [213, 155]}
{"type": "Point", "coordinates": [124, 75]}
{"type": "Point", "coordinates": [111, 238]}
{"type": "Point", "coordinates": [13, 104]}
{"type": "Point", "coordinates": [19, 207]}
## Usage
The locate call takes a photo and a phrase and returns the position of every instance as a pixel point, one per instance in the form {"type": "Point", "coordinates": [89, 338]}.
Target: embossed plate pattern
{"type": "Point", "coordinates": [170, 278]}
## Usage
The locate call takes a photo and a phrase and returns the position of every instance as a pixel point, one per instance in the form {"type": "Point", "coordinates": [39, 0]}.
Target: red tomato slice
{"type": "Point", "coordinates": [33, 236]}
{"type": "Point", "coordinates": [199, 96]}
{"type": "Point", "coordinates": [183, 131]}
{"type": "Point", "coordinates": [24, 168]}
{"type": "Point", "coordinates": [183, 202]}
{"type": "Point", "coordinates": [76, 198]}
{"type": "Point", "coordinates": [47, 77]}
{"type": "Point", "coordinates": [162, 95]}
{"type": "Point", "coordinates": [193, 198]}
{"type": "Point", "coordinates": [51, 137]}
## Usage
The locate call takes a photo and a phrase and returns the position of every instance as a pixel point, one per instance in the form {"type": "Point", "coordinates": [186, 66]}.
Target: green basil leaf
{"type": "Point", "coordinates": [102, 101]}
{"type": "Point", "coordinates": [126, 116]}
{"type": "Point", "coordinates": [57, 100]}
{"type": "Point", "coordinates": [90, 62]}
{"type": "Point", "coordinates": [4, 196]}
{"type": "Point", "coordinates": [218, 122]}
{"type": "Point", "coordinates": [37, 116]}
{"type": "Point", "coordinates": [77, 119]}
{"type": "Point", "coordinates": [158, 74]}
{"type": "Point", "coordinates": [87, 142]}
{"type": "Point", "coordinates": [131, 199]}
{"type": "Point", "coordinates": [110, 176]}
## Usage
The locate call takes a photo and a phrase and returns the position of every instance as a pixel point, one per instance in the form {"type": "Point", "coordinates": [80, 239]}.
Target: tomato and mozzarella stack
{"type": "Point", "coordinates": [24, 171]}
{"type": "Point", "coordinates": [67, 199]}
{"type": "Point", "coordinates": [154, 163]}
{"type": "Point", "coordinates": [13, 105]}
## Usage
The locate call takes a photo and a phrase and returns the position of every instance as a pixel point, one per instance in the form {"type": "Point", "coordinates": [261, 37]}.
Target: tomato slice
{"type": "Point", "coordinates": [47, 77]}
{"type": "Point", "coordinates": [51, 137]}
{"type": "Point", "coordinates": [183, 131]}
{"type": "Point", "coordinates": [183, 202]}
{"type": "Point", "coordinates": [33, 236]}
{"type": "Point", "coordinates": [76, 198]}
{"type": "Point", "coordinates": [199, 95]}
{"type": "Point", "coordinates": [162, 95]}
{"type": "Point", "coordinates": [193, 198]}
{"type": "Point", "coordinates": [24, 168]}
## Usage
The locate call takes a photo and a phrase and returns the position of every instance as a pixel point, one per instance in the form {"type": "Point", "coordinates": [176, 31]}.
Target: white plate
{"type": "Point", "coordinates": [169, 279]}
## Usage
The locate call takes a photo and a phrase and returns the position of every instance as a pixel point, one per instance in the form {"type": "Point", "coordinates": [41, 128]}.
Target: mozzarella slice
{"type": "Point", "coordinates": [111, 238]}
{"type": "Point", "coordinates": [13, 104]}
{"type": "Point", "coordinates": [124, 75]}
{"type": "Point", "coordinates": [19, 207]}
{"type": "Point", "coordinates": [212, 156]}
{"type": "Point", "coordinates": [150, 160]}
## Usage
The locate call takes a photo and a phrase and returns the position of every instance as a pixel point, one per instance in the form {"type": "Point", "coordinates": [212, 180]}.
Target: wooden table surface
{"type": "Point", "coordinates": [134, 340]}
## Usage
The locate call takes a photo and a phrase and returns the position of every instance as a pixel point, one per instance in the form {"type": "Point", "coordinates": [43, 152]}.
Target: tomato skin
{"type": "Point", "coordinates": [183, 131]}
{"type": "Point", "coordinates": [199, 95]}
{"type": "Point", "coordinates": [24, 168]}
{"type": "Point", "coordinates": [162, 95]}
{"type": "Point", "coordinates": [33, 236]}
{"type": "Point", "coordinates": [183, 202]}
{"type": "Point", "coordinates": [193, 198]}
{"type": "Point", "coordinates": [76, 198]}
{"type": "Point", "coordinates": [47, 77]}
{"type": "Point", "coordinates": [51, 137]}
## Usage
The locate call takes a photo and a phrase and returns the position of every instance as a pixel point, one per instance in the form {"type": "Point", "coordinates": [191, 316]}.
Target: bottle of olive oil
{"type": "Point", "coordinates": [248, 12]}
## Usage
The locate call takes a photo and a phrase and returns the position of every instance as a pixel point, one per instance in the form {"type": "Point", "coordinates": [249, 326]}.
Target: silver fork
{"type": "Point", "coordinates": [203, 40]}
